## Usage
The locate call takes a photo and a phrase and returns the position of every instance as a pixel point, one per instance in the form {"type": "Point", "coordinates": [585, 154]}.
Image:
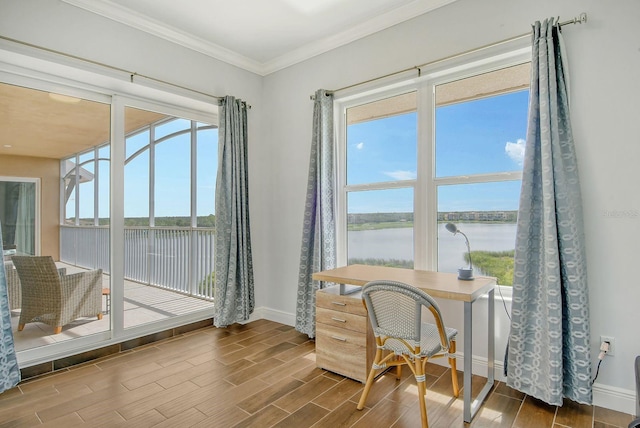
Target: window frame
{"type": "Point", "coordinates": [425, 186]}
{"type": "Point", "coordinates": [33, 69]}
{"type": "Point", "coordinates": [37, 206]}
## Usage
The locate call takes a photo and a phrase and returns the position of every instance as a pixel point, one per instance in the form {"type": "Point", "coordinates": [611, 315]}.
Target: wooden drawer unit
{"type": "Point", "coordinates": [344, 340]}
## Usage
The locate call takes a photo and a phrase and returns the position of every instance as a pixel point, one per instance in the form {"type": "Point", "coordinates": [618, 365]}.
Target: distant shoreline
{"type": "Point", "coordinates": [403, 224]}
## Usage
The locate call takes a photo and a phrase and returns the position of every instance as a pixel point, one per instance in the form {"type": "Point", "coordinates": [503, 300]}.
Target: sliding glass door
{"type": "Point", "coordinates": [169, 190]}
{"type": "Point", "coordinates": [55, 152]}
{"type": "Point", "coordinates": [126, 188]}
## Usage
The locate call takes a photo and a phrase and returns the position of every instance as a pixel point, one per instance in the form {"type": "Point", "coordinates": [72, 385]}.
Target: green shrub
{"type": "Point", "coordinates": [494, 263]}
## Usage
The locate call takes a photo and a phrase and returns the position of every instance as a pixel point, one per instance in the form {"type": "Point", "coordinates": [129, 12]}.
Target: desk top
{"type": "Point", "coordinates": [436, 284]}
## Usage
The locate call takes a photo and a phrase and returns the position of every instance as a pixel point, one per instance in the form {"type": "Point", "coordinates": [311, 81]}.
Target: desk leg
{"type": "Point", "coordinates": [471, 408]}
{"type": "Point", "coordinates": [468, 360]}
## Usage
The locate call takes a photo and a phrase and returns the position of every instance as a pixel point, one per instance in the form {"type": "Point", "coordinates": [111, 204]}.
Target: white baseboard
{"type": "Point", "coordinates": [273, 315]}
{"type": "Point", "coordinates": [614, 398]}
{"type": "Point", "coordinates": [609, 397]}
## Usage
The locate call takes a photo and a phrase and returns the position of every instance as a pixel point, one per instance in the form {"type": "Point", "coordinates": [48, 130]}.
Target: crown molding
{"type": "Point", "coordinates": [357, 32]}
{"type": "Point", "coordinates": [128, 17]}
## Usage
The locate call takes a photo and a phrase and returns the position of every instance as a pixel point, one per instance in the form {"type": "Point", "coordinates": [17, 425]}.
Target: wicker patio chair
{"type": "Point", "coordinates": [395, 312]}
{"type": "Point", "coordinates": [13, 285]}
{"type": "Point", "coordinates": [53, 299]}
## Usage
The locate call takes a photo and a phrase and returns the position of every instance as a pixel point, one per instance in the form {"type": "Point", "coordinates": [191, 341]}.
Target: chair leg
{"type": "Point", "coordinates": [57, 330]}
{"type": "Point", "coordinates": [20, 327]}
{"type": "Point", "coordinates": [370, 378]}
{"type": "Point", "coordinates": [454, 371]}
{"type": "Point", "coordinates": [422, 391]}
{"type": "Point", "coordinates": [100, 316]}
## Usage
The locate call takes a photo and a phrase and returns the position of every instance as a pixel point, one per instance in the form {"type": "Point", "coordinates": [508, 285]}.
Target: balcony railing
{"type": "Point", "coordinates": [178, 259]}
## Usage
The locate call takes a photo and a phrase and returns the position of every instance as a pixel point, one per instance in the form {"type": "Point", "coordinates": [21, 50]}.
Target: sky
{"type": "Point", "coordinates": [172, 171]}
{"type": "Point", "coordinates": [474, 137]}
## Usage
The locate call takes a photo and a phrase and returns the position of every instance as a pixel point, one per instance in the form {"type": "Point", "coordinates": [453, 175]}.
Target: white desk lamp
{"type": "Point", "coordinates": [463, 273]}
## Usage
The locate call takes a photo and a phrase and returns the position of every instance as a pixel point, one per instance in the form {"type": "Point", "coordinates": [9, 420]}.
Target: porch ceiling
{"type": "Point", "coordinates": [35, 123]}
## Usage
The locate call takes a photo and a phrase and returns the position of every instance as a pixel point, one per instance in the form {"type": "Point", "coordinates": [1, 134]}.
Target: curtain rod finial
{"type": "Point", "coordinates": [582, 18]}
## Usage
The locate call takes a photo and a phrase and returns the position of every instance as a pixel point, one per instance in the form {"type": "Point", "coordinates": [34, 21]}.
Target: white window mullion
{"type": "Point", "coordinates": [96, 188]}
{"type": "Point", "coordinates": [430, 192]}
{"type": "Point", "coordinates": [340, 171]}
{"type": "Point", "coordinates": [116, 221]}
{"type": "Point", "coordinates": [421, 216]}
{"type": "Point", "coordinates": [380, 186]}
{"type": "Point", "coordinates": [77, 180]}
{"type": "Point", "coordinates": [193, 237]}
{"type": "Point", "coordinates": [152, 175]}
{"type": "Point", "coordinates": [479, 178]}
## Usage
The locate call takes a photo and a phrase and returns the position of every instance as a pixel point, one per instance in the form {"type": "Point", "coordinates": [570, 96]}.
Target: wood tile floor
{"type": "Point", "coordinates": [262, 374]}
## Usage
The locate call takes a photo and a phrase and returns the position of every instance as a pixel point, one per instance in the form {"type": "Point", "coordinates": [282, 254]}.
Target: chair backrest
{"type": "Point", "coordinates": [38, 274]}
{"type": "Point", "coordinates": [395, 310]}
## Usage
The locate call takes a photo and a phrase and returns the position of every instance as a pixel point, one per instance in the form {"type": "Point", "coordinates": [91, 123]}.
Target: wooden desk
{"type": "Point", "coordinates": [440, 285]}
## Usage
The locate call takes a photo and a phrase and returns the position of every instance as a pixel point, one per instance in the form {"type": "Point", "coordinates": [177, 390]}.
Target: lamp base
{"type": "Point", "coordinates": [465, 274]}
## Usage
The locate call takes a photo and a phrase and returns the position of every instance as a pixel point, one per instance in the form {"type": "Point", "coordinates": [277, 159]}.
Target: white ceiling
{"type": "Point", "coordinates": [261, 36]}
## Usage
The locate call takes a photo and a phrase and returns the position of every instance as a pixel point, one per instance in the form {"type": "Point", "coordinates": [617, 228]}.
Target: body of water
{"type": "Point", "coordinates": [398, 243]}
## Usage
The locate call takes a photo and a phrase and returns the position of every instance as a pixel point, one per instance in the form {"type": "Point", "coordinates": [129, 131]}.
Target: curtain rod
{"type": "Point", "coordinates": [581, 19]}
{"type": "Point", "coordinates": [131, 74]}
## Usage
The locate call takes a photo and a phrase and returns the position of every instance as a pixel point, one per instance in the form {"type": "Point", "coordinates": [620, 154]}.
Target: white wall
{"type": "Point", "coordinates": [604, 58]}
{"type": "Point", "coordinates": [605, 63]}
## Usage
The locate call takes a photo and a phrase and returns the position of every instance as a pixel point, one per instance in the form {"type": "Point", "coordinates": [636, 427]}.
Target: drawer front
{"type": "Point", "coordinates": [351, 303]}
{"type": "Point", "coordinates": [339, 351]}
{"type": "Point", "coordinates": [341, 336]}
{"type": "Point", "coordinates": [339, 319]}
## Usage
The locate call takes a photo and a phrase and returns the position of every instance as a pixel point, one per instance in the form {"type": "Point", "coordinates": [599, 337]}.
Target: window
{"type": "Point", "coordinates": [446, 149]}
{"type": "Point", "coordinates": [19, 214]}
{"type": "Point", "coordinates": [381, 173]}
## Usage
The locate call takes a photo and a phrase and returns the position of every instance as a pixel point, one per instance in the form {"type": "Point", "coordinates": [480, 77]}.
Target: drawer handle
{"type": "Point", "coordinates": [339, 303]}
{"type": "Point", "coordinates": [338, 319]}
{"type": "Point", "coordinates": [341, 339]}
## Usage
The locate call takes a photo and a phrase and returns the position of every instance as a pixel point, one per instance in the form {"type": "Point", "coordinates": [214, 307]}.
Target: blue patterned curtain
{"type": "Point", "coordinates": [9, 370]}
{"type": "Point", "coordinates": [318, 231]}
{"type": "Point", "coordinates": [549, 351]}
{"type": "Point", "coordinates": [234, 299]}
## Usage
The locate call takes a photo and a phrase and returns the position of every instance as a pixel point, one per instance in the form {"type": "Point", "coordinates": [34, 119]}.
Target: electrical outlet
{"type": "Point", "coordinates": [612, 344]}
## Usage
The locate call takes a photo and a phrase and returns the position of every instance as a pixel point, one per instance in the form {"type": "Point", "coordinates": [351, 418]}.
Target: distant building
{"type": "Point", "coordinates": [478, 216]}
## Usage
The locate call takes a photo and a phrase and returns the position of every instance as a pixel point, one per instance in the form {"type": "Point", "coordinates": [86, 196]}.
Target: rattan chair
{"type": "Point", "coordinates": [14, 287]}
{"type": "Point", "coordinates": [402, 338]}
{"type": "Point", "coordinates": [55, 299]}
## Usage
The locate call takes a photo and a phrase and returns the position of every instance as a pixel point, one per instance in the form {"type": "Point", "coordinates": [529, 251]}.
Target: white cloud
{"type": "Point", "coordinates": [515, 151]}
{"type": "Point", "coordinates": [360, 146]}
{"type": "Point", "coordinates": [401, 175]}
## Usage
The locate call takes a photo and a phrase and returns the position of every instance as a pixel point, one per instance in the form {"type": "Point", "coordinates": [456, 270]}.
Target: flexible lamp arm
{"type": "Point", "coordinates": [454, 229]}
{"type": "Point", "coordinates": [468, 248]}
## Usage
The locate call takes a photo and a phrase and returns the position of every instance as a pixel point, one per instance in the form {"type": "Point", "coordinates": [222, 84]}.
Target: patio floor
{"type": "Point", "coordinates": [142, 304]}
